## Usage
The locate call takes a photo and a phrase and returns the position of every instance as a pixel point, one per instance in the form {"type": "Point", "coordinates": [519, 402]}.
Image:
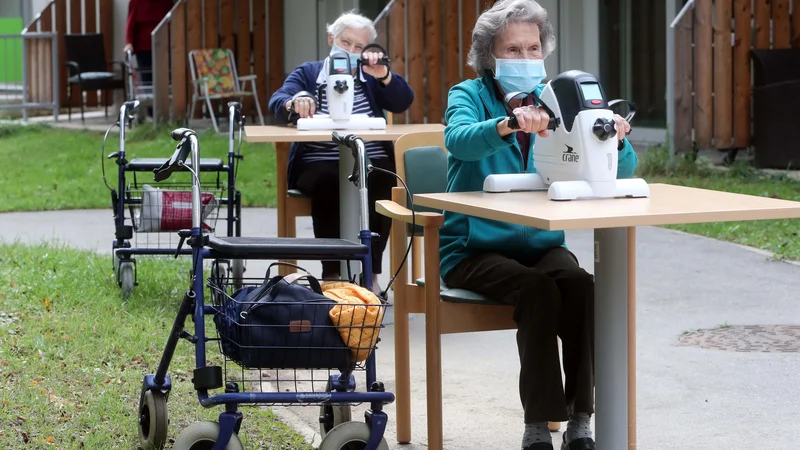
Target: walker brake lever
{"type": "Point", "coordinates": [183, 234]}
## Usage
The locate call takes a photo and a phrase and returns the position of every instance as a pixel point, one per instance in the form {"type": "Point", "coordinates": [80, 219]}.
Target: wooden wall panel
{"type": "Point", "coordinates": [795, 23]}
{"type": "Point", "coordinates": [398, 49]}
{"type": "Point", "coordinates": [210, 23]}
{"type": "Point", "coordinates": [107, 29]}
{"type": "Point", "coordinates": [433, 55]}
{"type": "Point", "coordinates": [161, 65]}
{"type": "Point", "coordinates": [75, 23]}
{"type": "Point", "coordinates": [90, 26]}
{"type": "Point", "coordinates": [469, 15]}
{"type": "Point", "coordinates": [260, 52]}
{"type": "Point", "coordinates": [723, 74]}
{"type": "Point", "coordinates": [684, 106]}
{"type": "Point", "coordinates": [227, 21]}
{"type": "Point", "coordinates": [741, 73]}
{"type": "Point", "coordinates": [61, 29]}
{"type": "Point", "coordinates": [762, 23]}
{"type": "Point", "coordinates": [416, 63]}
{"type": "Point", "coordinates": [452, 62]}
{"type": "Point", "coordinates": [194, 41]}
{"type": "Point", "coordinates": [243, 49]}
{"type": "Point", "coordinates": [781, 24]}
{"type": "Point", "coordinates": [275, 30]}
{"type": "Point", "coordinates": [703, 72]}
{"type": "Point", "coordinates": [177, 38]}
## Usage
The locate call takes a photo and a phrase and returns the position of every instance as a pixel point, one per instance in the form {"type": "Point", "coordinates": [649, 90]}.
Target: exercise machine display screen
{"type": "Point", "coordinates": [340, 65]}
{"type": "Point", "coordinates": [591, 91]}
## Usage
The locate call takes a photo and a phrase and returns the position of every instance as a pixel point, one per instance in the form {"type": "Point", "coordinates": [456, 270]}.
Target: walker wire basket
{"type": "Point", "coordinates": [290, 346]}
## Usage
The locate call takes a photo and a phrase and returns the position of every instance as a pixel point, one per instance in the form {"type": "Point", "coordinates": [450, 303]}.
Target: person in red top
{"type": "Point", "coordinates": [143, 17]}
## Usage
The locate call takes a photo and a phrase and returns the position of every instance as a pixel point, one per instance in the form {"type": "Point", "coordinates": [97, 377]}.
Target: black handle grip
{"type": "Point", "coordinates": [180, 133]}
{"type": "Point", "coordinates": [513, 123]}
{"type": "Point", "coordinates": [131, 105]}
{"type": "Point", "coordinates": [384, 61]}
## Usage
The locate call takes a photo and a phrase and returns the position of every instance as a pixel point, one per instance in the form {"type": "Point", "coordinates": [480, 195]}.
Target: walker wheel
{"type": "Point", "coordinates": [203, 436]}
{"type": "Point", "coordinates": [332, 415]}
{"type": "Point", "coordinates": [153, 421]}
{"type": "Point", "coordinates": [126, 279]}
{"type": "Point", "coordinates": [348, 435]}
{"type": "Point", "coordinates": [237, 273]}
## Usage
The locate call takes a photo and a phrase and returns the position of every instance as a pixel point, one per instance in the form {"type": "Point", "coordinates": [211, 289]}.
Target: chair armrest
{"type": "Point", "coordinates": [394, 211]}
{"type": "Point", "coordinates": [73, 66]}
{"type": "Point", "coordinates": [248, 77]}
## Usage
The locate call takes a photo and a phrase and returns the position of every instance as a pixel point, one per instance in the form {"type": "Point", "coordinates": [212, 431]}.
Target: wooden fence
{"type": "Point", "coordinates": [428, 42]}
{"type": "Point", "coordinates": [252, 29]}
{"type": "Point", "coordinates": [713, 66]}
{"type": "Point", "coordinates": [66, 17]}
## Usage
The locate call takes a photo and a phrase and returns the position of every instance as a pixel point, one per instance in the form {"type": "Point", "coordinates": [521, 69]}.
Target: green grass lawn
{"type": "Point", "coordinates": [777, 236]}
{"type": "Point", "coordinates": [60, 169]}
{"type": "Point", "coordinates": [72, 355]}
{"type": "Point", "coordinates": [51, 168]}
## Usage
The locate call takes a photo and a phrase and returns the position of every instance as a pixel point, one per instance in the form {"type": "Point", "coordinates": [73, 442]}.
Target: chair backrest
{"type": "Point", "coordinates": [217, 66]}
{"type": "Point", "coordinates": [775, 65]}
{"type": "Point", "coordinates": [421, 161]}
{"type": "Point", "coordinates": [87, 50]}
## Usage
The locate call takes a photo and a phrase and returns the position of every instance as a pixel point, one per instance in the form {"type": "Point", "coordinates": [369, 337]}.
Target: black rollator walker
{"type": "Point", "coordinates": [274, 323]}
{"type": "Point", "coordinates": [154, 214]}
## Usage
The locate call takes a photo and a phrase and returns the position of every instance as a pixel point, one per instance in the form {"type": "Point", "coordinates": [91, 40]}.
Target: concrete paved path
{"type": "Point", "coordinates": [688, 397]}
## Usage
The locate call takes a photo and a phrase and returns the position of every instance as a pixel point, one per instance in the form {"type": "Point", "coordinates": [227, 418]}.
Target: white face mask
{"type": "Point", "coordinates": [519, 74]}
{"type": "Point", "coordinates": [354, 57]}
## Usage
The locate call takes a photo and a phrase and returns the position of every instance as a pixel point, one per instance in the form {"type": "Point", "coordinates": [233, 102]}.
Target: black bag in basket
{"type": "Point", "coordinates": [282, 325]}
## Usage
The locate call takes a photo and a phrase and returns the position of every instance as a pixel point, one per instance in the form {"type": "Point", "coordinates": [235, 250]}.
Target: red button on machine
{"type": "Point", "coordinates": [595, 102]}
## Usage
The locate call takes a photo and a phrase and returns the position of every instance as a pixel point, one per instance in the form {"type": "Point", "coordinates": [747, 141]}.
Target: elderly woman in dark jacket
{"type": "Point", "coordinates": [314, 166]}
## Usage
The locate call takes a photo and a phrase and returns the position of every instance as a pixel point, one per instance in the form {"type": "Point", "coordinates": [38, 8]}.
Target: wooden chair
{"type": "Point", "coordinates": [214, 77]}
{"type": "Point", "coordinates": [421, 160]}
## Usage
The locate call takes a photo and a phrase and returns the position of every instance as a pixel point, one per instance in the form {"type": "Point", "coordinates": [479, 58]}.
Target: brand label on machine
{"type": "Point", "coordinates": [569, 155]}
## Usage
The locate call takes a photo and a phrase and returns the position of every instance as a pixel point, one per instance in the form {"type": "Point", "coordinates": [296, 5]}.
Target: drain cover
{"type": "Point", "coordinates": [746, 338]}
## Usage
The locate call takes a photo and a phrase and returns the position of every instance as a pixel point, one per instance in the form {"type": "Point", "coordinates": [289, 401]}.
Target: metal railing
{"type": "Point", "coordinates": [29, 72]}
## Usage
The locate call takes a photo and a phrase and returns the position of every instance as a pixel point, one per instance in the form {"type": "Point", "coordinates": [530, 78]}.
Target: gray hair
{"type": "Point", "coordinates": [353, 20]}
{"type": "Point", "coordinates": [494, 20]}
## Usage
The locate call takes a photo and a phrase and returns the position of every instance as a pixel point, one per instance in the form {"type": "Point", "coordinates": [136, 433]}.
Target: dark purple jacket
{"type": "Point", "coordinates": [396, 97]}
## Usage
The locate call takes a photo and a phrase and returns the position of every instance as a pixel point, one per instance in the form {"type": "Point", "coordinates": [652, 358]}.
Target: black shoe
{"type": "Point", "coordinates": [539, 446]}
{"type": "Point", "coordinates": [577, 444]}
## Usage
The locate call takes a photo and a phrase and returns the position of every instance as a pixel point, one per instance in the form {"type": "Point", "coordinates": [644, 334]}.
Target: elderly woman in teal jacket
{"type": "Point", "coordinates": [529, 268]}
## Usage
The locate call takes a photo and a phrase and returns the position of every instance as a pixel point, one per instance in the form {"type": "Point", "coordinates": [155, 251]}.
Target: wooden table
{"type": "Point", "coordinates": [283, 136]}
{"type": "Point", "coordinates": [614, 222]}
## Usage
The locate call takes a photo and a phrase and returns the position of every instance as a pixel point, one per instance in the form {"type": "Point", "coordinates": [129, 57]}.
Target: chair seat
{"type": "Point", "coordinates": [92, 76]}
{"type": "Point", "coordinates": [295, 193]}
{"type": "Point", "coordinates": [461, 295]}
{"type": "Point", "coordinates": [285, 248]}
{"type": "Point", "coordinates": [150, 164]}
{"type": "Point", "coordinates": [214, 95]}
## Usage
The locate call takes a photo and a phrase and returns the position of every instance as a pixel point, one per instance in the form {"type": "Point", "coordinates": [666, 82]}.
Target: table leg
{"type": "Point", "coordinates": [349, 204]}
{"type": "Point", "coordinates": [281, 165]}
{"type": "Point", "coordinates": [615, 361]}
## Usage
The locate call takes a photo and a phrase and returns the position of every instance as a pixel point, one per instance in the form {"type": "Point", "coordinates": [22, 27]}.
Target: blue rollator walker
{"type": "Point", "coordinates": [265, 324]}
{"type": "Point", "coordinates": [146, 217]}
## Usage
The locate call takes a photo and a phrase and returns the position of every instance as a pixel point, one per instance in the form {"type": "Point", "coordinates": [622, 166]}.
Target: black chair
{"type": "Point", "coordinates": [88, 68]}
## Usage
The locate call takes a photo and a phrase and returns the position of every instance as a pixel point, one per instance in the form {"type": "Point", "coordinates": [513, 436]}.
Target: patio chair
{"type": "Point", "coordinates": [421, 161]}
{"type": "Point", "coordinates": [214, 77]}
{"type": "Point", "coordinates": [88, 68]}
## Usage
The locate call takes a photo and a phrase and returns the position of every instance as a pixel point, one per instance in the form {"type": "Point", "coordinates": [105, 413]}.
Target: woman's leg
{"type": "Point", "coordinates": [320, 182]}
{"type": "Point", "coordinates": [537, 307]}
{"type": "Point", "coordinates": [576, 330]}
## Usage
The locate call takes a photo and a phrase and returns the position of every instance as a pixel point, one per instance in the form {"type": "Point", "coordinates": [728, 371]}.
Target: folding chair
{"type": "Point", "coordinates": [214, 77]}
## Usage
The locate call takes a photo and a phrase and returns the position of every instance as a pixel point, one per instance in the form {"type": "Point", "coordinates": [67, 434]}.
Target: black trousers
{"type": "Point", "coordinates": [552, 297]}
{"type": "Point", "coordinates": [320, 182]}
{"type": "Point", "coordinates": [144, 62]}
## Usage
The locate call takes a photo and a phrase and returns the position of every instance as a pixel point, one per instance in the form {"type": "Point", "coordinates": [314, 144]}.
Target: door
{"type": "Point", "coordinates": [633, 57]}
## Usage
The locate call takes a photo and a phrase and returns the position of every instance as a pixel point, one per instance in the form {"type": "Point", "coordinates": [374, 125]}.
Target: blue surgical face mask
{"type": "Point", "coordinates": [354, 57]}
{"type": "Point", "coordinates": [519, 74]}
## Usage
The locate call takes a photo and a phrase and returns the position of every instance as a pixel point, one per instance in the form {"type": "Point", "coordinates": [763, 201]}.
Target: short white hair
{"type": "Point", "coordinates": [494, 21]}
{"type": "Point", "coordinates": [353, 20]}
